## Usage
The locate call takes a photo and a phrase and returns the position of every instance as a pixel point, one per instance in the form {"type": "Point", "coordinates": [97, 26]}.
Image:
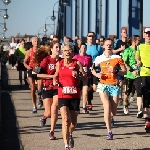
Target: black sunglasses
{"type": "Point", "coordinates": [90, 35]}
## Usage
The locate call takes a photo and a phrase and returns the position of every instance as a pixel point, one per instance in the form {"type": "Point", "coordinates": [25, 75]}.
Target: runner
{"type": "Point", "coordinates": [50, 92]}
{"type": "Point", "coordinates": [86, 62]}
{"type": "Point", "coordinates": [132, 77]}
{"type": "Point", "coordinates": [93, 50]}
{"type": "Point", "coordinates": [108, 86]}
{"type": "Point", "coordinates": [29, 64]}
{"type": "Point", "coordinates": [120, 46]}
{"type": "Point", "coordinates": [20, 55]}
{"type": "Point", "coordinates": [67, 71]}
{"type": "Point", "coordinates": [12, 50]}
{"type": "Point", "coordinates": [142, 57]}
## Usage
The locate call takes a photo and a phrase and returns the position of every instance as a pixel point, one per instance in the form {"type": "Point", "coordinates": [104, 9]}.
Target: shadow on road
{"type": "Point", "coordinates": [10, 136]}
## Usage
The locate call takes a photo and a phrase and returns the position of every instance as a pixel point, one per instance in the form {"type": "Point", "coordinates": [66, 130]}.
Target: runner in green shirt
{"type": "Point", "coordinates": [132, 76]}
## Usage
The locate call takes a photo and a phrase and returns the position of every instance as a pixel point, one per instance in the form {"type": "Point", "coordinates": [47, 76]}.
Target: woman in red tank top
{"type": "Point", "coordinates": [50, 92]}
{"type": "Point", "coordinates": [67, 71]}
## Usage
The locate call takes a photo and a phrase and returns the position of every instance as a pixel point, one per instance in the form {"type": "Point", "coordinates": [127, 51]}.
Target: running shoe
{"type": "Point", "coordinates": [112, 121]}
{"type": "Point", "coordinates": [132, 99]}
{"type": "Point", "coordinates": [51, 136]}
{"type": "Point", "coordinates": [34, 110]}
{"type": "Point", "coordinates": [67, 148]}
{"type": "Point", "coordinates": [120, 101]}
{"type": "Point", "coordinates": [40, 103]}
{"type": "Point", "coordinates": [71, 142]}
{"type": "Point", "coordinates": [85, 111]}
{"type": "Point", "coordinates": [43, 121]}
{"type": "Point", "coordinates": [126, 108]}
{"type": "Point", "coordinates": [139, 114]}
{"type": "Point", "coordinates": [90, 107]}
{"type": "Point", "coordinates": [109, 136]}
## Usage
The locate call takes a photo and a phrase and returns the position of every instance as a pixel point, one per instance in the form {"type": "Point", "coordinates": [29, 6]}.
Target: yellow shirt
{"type": "Point", "coordinates": [144, 52]}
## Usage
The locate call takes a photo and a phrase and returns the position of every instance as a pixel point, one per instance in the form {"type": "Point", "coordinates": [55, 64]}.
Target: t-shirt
{"type": "Point", "coordinates": [13, 45]}
{"type": "Point", "coordinates": [85, 61]}
{"type": "Point", "coordinates": [105, 63]}
{"type": "Point", "coordinates": [21, 53]}
{"type": "Point", "coordinates": [94, 51]}
{"type": "Point", "coordinates": [144, 52]}
{"type": "Point", "coordinates": [118, 45]}
{"type": "Point", "coordinates": [129, 58]}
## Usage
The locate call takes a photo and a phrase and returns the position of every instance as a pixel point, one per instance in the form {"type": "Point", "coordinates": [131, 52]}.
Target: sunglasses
{"type": "Point", "coordinates": [90, 35]}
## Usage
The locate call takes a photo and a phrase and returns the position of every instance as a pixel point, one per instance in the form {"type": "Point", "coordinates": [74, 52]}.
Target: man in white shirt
{"type": "Point", "coordinates": [12, 51]}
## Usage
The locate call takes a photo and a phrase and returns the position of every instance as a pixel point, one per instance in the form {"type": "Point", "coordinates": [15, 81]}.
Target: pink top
{"type": "Point", "coordinates": [86, 62]}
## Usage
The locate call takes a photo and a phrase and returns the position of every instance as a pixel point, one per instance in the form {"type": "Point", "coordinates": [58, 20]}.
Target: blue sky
{"type": "Point", "coordinates": [28, 16]}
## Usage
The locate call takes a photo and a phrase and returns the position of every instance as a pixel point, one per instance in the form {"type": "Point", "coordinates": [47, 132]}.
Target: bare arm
{"type": "Point", "coordinates": [27, 55]}
{"type": "Point", "coordinates": [83, 74]}
{"type": "Point", "coordinates": [119, 49]}
{"type": "Point", "coordinates": [123, 70]}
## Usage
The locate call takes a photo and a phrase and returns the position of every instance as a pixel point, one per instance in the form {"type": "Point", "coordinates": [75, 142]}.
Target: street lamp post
{"type": "Point", "coordinates": [4, 28]}
{"type": "Point", "coordinates": [64, 3]}
{"type": "Point", "coordinates": [45, 29]}
{"type": "Point", "coordinates": [6, 2]}
{"type": "Point", "coordinates": [5, 16]}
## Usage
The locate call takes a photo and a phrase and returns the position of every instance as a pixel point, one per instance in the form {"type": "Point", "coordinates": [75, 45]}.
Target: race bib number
{"type": "Point", "coordinates": [69, 90]}
{"type": "Point", "coordinates": [85, 69]}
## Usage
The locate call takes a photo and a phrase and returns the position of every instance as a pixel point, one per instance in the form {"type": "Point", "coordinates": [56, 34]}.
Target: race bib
{"type": "Point", "coordinates": [85, 69]}
{"type": "Point", "coordinates": [69, 90]}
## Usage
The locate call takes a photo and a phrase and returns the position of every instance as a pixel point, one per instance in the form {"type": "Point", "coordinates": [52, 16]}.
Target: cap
{"type": "Point", "coordinates": [51, 37]}
{"type": "Point", "coordinates": [147, 30]}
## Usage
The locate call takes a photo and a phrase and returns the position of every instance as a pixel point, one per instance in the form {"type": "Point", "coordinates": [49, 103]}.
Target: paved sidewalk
{"type": "Point", "coordinates": [90, 132]}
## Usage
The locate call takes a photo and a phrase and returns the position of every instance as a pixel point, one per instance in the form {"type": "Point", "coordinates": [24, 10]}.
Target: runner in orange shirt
{"type": "Point", "coordinates": [108, 86]}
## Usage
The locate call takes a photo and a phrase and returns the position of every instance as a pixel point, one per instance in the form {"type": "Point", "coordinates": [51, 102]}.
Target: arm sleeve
{"type": "Point", "coordinates": [125, 55]}
{"type": "Point", "coordinates": [74, 57]}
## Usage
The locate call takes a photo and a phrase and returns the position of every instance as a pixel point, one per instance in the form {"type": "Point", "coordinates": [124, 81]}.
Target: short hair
{"type": "Point", "coordinates": [83, 44]}
{"type": "Point", "coordinates": [34, 38]}
{"type": "Point", "coordinates": [22, 40]}
{"type": "Point", "coordinates": [108, 39]}
{"type": "Point", "coordinates": [91, 32]}
{"type": "Point", "coordinates": [123, 29]}
{"type": "Point", "coordinates": [55, 36]}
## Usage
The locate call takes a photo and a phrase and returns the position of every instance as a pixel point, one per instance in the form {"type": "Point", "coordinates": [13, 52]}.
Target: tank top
{"type": "Point", "coordinates": [48, 65]}
{"type": "Point", "coordinates": [68, 85]}
{"type": "Point", "coordinates": [31, 63]}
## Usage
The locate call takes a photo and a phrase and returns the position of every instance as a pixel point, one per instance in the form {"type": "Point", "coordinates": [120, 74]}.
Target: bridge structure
{"type": "Point", "coordinates": [81, 16]}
